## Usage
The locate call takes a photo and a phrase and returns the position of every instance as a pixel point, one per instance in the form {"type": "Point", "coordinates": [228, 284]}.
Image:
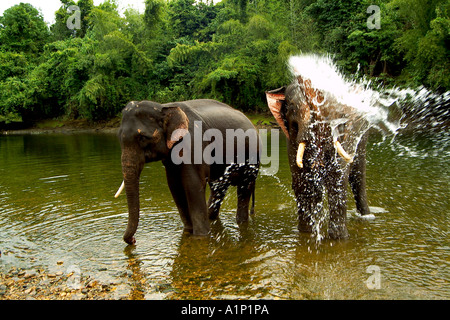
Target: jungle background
{"type": "Point", "coordinates": [232, 51]}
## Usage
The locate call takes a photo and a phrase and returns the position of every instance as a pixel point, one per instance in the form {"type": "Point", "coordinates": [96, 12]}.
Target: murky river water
{"type": "Point", "coordinates": [57, 204]}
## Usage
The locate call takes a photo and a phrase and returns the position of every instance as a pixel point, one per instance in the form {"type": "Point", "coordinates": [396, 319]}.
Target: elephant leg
{"type": "Point", "coordinates": [194, 184]}
{"type": "Point", "coordinates": [218, 191]}
{"type": "Point", "coordinates": [309, 199]}
{"type": "Point", "coordinates": [244, 192]}
{"type": "Point", "coordinates": [337, 200]}
{"type": "Point", "coordinates": [179, 196]}
{"type": "Point", "coordinates": [309, 207]}
{"type": "Point", "coordinates": [357, 178]}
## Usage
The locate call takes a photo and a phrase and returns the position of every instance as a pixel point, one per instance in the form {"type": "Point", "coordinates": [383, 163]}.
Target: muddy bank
{"type": "Point", "coordinates": [260, 121]}
{"type": "Point", "coordinates": [67, 127]}
{"type": "Point", "coordinates": [40, 284]}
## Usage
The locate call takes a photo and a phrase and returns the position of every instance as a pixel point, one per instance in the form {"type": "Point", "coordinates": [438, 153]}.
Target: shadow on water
{"type": "Point", "coordinates": [57, 204]}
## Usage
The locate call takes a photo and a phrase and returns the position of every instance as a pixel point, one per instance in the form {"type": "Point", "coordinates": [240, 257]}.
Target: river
{"type": "Point", "coordinates": [57, 209]}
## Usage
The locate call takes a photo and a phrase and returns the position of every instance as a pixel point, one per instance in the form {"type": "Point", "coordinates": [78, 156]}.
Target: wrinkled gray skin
{"type": "Point", "coordinates": [145, 136]}
{"type": "Point", "coordinates": [323, 169]}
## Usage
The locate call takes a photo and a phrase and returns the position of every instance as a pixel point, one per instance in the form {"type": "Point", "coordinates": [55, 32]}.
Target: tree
{"type": "Point", "coordinates": [23, 30]}
{"type": "Point", "coordinates": [371, 49]}
{"type": "Point", "coordinates": [154, 12]}
{"type": "Point", "coordinates": [233, 51]}
{"type": "Point", "coordinates": [59, 29]}
{"type": "Point", "coordinates": [104, 19]}
{"type": "Point", "coordinates": [424, 42]}
{"type": "Point", "coordinates": [23, 35]}
{"type": "Point", "coordinates": [190, 19]}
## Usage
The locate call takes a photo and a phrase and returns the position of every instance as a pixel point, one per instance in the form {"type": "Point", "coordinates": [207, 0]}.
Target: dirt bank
{"type": "Point", "coordinates": [39, 284]}
{"type": "Point", "coordinates": [67, 127]}
{"type": "Point", "coordinates": [261, 121]}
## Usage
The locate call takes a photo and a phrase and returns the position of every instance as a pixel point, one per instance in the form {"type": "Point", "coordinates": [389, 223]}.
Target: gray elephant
{"type": "Point", "coordinates": [318, 131]}
{"type": "Point", "coordinates": [190, 138]}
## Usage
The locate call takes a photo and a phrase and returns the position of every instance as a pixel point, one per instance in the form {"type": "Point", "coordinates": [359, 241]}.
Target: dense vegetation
{"type": "Point", "coordinates": [232, 51]}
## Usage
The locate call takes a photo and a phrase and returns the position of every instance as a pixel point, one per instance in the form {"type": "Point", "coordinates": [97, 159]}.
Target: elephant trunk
{"type": "Point", "coordinates": [131, 175]}
{"type": "Point", "coordinates": [132, 190]}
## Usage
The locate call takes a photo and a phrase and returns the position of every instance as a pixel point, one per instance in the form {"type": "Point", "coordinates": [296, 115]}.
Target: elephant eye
{"type": "Point", "coordinates": [294, 127]}
{"type": "Point", "coordinates": [144, 139]}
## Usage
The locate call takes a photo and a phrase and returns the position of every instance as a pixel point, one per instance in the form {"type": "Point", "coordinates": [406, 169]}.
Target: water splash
{"type": "Point", "coordinates": [425, 122]}
{"type": "Point", "coordinates": [391, 111]}
{"type": "Point", "coordinates": [339, 92]}
{"type": "Point", "coordinates": [422, 108]}
{"type": "Point", "coordinates": [352, 106]}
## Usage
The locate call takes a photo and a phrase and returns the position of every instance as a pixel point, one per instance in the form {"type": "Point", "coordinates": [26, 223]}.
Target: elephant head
{"type": "Point", "coordinates": [147, 133]}
{"type": "Point", "coordinates": [311, 122]}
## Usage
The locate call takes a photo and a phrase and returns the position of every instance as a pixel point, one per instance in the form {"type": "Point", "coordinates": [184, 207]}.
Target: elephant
{"type": "Point", "coordinates": [151, 131]}
{"type": "Point", "coordinates": [317, 131]}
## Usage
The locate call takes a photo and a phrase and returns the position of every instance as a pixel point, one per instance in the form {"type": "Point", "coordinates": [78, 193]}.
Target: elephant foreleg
{"type": "Point", "coordinates": [179, 196]}
{"type": "Point", "coordinates": [337, 199]}
{"type": "Point", "coordinates": [309, 208]}
{"type": "Point", "coordinates": [309, 195]}
{"type": "Point", "coordinates": [194, 184]}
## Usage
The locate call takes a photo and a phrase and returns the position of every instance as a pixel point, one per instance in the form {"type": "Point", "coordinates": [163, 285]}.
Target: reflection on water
{"type": "Point", "coordinates": [57, 204]}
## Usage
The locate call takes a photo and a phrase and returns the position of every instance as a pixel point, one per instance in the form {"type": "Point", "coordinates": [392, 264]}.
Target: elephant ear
{"type": "Point", "coordinates": [175, 125]}
{"type": "Point", "coordinates": [275, 101]}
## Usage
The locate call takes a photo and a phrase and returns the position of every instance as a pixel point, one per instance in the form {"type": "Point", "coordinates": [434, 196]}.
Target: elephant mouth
{"type": "Point", "coordinates": [340, 150]}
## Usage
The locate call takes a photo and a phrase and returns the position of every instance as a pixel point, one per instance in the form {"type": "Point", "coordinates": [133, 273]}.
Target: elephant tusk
{"type": "Point", "coordinates": [340, 150]}
{"type": "Point", "coordinates": [300, 152]}
{"type": "Point", "coordinates": [122, 186]}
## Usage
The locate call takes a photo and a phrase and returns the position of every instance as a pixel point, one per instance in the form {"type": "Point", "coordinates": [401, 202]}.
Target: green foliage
{"type": "Point", "coordinates": [11, 98]}
{"type": "Point", "coordinates": [13, 64]}
{"type": "Point", "coordinates": [425, 42]}
{"type": "Point", "coordinates": [232, 51]}
{"type": "Point", "coordinates": [59, 28]}
{"type": "Point", "coordinates": [154, 13]}
{"type": "Point", "coordinates": [23, 30]}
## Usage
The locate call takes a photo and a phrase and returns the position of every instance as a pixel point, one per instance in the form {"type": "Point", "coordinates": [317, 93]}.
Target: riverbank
{"type": "Point", "coordinates": [39, 284]}
{"type": "Point", "coordinates": [66, 127]}
{"type": "Point", "coordinates": [107, 126]}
